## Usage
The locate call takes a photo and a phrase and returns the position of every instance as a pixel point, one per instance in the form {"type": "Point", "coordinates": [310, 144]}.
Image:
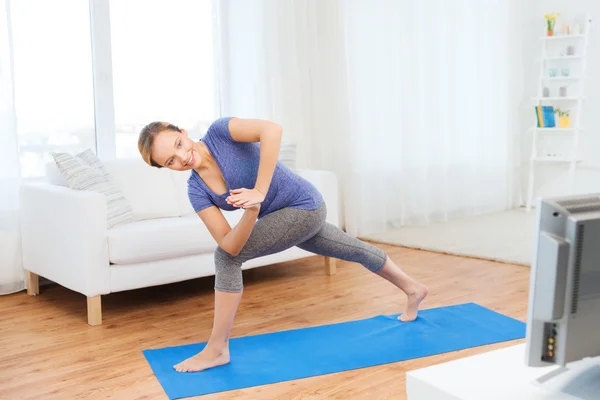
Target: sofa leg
{"type": "Point", "coordinates": [33, 283]}
{"type": "Point", "coordinates": [94, 310]}
{"type": "Point", "coordinates": [329, 266]}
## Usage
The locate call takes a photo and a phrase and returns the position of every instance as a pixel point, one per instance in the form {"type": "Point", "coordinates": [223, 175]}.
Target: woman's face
{"type": "Point", "coordinates": [175, 150]}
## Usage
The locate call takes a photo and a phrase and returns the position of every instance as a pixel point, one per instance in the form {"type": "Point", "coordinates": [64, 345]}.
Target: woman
{"type": "Point", "coordinates": [230, 170]}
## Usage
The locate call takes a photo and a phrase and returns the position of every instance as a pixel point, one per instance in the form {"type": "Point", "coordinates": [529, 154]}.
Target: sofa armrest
{"type": "Point", "coordinates": [64, 236]}
{"type": "Point", "coordinates": [327, 184]}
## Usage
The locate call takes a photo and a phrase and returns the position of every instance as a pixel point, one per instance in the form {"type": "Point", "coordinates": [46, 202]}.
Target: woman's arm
{"type": "Point", "coordinates": [230, 240]}
{"type": "Point", "coordinates": [269, 135]}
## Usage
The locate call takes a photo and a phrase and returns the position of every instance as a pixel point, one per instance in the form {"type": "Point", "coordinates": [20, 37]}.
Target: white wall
{"type": "Point", "coordinates": [552, 179]}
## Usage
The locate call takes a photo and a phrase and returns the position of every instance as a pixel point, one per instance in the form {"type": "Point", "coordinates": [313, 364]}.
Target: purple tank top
{"type": "Point", "coordinates": [238, 162]}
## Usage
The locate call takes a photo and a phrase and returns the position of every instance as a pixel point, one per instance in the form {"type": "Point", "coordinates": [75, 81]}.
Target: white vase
{"type": "Point", "coordinates": [562, 91]}
{"type": "Point", "coordinates": [546, 92]}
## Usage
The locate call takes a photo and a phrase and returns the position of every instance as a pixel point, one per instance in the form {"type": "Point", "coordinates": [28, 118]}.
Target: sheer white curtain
{"type": "Point", "coordinates": [433, 104]}
{"type": "Point", "coordinates": [284, 60]}
{"type": "Point", "coordinates": [11, 269]}
{"type": "Point", "coordinates": [411, 103]}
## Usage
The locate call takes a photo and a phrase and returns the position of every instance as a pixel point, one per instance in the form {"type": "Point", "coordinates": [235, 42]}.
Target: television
{"type": "Point", "coordinates": [563, 321]}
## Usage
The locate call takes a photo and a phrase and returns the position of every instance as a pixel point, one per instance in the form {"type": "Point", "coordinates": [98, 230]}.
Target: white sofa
{"type": "Point", "coordinates": [65, 237]}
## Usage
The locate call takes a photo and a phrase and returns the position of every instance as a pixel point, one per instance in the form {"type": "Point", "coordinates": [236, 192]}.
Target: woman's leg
{"type": "Point", "coordinates": [216, 351]}
{"type": "Point", "coordinates": [273, 233]}
{"type": "Point", "coordinates": [414, 290]}
{"type": "Point", "coordinates": [331, 241]}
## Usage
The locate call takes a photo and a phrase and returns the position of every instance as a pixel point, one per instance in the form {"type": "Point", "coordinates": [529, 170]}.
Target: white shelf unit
{"type": "Point", "coordinates": [564, 130]}
{"type": "Point", "coordinates": [574, 102]}
{"type": "Point", "coordinates": [567, 98]}
{"type": "Point", "coordinates": [560, 78]}
{"type": "Point", "coordinates": [564, 58]}
{"type": "Point", "coordinates": [561, 37]}
{"type": "Point", "coordinates": [555, 159]}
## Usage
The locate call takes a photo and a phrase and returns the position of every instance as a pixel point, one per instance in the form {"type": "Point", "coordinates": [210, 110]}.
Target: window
{"type": "Point", "coordinates": [162, 69]}
{"type": "Point", "coordinates": [53, 80]}
{"type": "Point", "coordinates": [162, 55]}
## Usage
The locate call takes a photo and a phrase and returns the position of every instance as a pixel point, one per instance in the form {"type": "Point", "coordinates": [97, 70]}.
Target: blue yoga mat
{"type": "Point", "coordinates": [301, 353]}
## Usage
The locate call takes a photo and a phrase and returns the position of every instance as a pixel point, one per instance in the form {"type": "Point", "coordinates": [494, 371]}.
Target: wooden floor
{"type": "Point", "coordinates": [47, 350]}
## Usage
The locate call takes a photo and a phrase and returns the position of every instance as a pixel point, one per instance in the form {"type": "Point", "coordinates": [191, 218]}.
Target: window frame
{"type": "Point", "coordinates": [104, 124]}
{"type": "Point", "coordinates": [104, 104]}
{"type": "Point", "coordinates": [102, 76]}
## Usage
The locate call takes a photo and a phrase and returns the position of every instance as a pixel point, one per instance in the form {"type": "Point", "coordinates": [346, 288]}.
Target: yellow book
{"type": "Point", "coordinates": [540, 116]}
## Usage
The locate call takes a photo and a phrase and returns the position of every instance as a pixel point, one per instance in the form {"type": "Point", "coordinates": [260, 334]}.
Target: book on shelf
{"type": "Point", "coordinates": [545, 116]}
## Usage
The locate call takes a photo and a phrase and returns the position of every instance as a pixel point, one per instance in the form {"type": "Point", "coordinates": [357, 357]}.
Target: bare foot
{"type": "Point", "coordinates": [207, 358]}
{"type": "Point", "coordinates": [415, 297]}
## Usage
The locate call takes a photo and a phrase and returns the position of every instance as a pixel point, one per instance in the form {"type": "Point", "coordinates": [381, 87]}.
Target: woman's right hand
{"type": "Point", "coordinates": [245, 197]}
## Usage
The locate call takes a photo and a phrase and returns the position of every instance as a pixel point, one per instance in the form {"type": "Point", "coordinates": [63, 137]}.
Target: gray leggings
{"type": "Point", "coordinates": [288, 227]}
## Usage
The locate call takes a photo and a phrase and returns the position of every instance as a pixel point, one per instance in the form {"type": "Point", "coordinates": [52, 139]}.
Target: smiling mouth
{"type": "Point", "coordinates": [191, 159]}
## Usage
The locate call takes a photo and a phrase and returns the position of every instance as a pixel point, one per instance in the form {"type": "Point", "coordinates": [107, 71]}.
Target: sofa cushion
{"type": "Point", "coordinates": [54, 176]}
{"type": "Point", "coordinates": [287, 154]}
{"type": "Point", "coordinates": [150, 191]}
{"type": "Point", "coordinates": [158, 239]}
{"type": "Point", "coordinates": [85, 171]}
{"type": "Point", "coordinates": [180, 179]}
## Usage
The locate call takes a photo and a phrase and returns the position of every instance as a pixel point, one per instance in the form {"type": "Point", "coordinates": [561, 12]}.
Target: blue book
{"type": "Point", "coordinates": [548, 112]}
{"type": "Point", "coordinates": [545, 116]}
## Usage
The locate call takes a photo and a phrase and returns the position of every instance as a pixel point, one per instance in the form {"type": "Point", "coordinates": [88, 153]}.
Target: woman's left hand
{"type": "Point", "coordinates": [245, 197]}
